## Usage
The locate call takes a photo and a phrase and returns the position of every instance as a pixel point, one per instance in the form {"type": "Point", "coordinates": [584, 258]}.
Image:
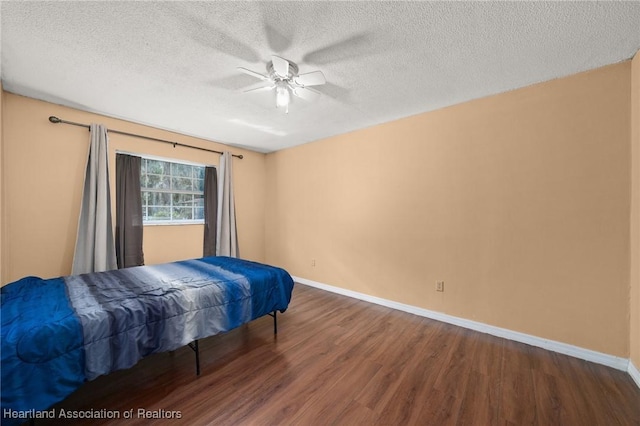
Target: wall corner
{"type": "Point", "coordinates": [634, 276]}
{"type": "Point", "coordinates": [2, 215]}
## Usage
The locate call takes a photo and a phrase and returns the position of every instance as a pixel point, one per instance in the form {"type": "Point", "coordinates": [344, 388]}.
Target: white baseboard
{"type": "Point", "coordinates": [634, 373]}
{"type": "Point", "coordinates": [575, 351]}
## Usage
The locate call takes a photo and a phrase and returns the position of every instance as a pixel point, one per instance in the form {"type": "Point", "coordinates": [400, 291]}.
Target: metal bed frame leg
{"type": "Point", "coordinates": [275, 321]}
{"type": "Point", "coordinates": [196, 349]}
{"type": "Point", "coordinates": [197, 359]}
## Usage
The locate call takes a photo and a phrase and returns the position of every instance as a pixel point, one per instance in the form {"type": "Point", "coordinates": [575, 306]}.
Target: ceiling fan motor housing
{"type": "Point", "coordinates": [293, 71]}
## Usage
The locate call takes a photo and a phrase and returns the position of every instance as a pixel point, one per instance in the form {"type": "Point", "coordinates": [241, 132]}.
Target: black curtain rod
{"type": "Point", "coordinates": [56, 120]}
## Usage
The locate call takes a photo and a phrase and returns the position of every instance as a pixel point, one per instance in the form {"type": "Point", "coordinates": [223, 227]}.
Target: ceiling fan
{"type": "Point", "coordinates": [282, 75]}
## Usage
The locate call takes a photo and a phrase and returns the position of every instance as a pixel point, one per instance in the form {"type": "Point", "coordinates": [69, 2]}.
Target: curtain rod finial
{"type": "Point", "coordinates": [241, 156]}
{"type": "Point", "coordinates": [54, 119]}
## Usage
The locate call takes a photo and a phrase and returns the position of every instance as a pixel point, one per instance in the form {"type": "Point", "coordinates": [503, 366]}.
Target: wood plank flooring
{"type": "Point", "coordinates": [340, 361]}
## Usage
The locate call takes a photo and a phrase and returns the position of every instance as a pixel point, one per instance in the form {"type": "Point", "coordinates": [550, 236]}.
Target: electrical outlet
{"type": "Point", "coordinates": [439, 285]}
{"type": "Point", "coordinates": [313, 262]}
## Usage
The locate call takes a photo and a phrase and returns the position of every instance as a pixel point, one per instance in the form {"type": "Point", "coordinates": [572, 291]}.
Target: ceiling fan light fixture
{"type": "Point", "coordinates": [282, 96]}
{"type": "Point", "coordinates": [283, 76]}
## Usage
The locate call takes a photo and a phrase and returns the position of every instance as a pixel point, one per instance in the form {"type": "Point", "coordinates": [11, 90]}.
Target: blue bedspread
{"type": "Point", "coordinates": [60, 332]}
{"type": "Point", "coordinates": [40, 335]}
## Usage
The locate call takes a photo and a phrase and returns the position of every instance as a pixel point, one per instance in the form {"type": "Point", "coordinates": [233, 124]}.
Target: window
{"type": "Point", "coordinates": [172, 193]}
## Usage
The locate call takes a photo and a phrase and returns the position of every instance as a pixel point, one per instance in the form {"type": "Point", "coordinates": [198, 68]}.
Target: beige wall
{"type": "Point", "coordinates": [635, 212]}
{"type": "Point", "coordinates": [519, 202]}
{"type": "Point", "coordinates": [44, 170]}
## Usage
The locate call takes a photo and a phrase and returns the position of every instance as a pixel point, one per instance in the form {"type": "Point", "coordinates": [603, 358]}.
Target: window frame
{"type": "Point", "coordinates": [171, 192]}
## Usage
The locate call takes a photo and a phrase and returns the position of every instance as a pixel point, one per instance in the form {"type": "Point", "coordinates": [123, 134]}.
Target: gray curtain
{"type": "Point", "coordinates": [210, 211]}
{"type": "Point", "coordinates": [128, 211]}
{"type": "Point", "coordinates": [95, 247]}
{"type": "Point", "coordinates": [227, 243]}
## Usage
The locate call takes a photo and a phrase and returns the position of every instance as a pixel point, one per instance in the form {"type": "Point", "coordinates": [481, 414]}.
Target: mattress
{"type": "Point", "coordinates": [58, 333]}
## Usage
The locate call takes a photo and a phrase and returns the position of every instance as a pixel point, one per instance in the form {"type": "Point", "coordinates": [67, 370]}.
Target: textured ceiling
{"type": "Point", "coordinates": [172, 65]}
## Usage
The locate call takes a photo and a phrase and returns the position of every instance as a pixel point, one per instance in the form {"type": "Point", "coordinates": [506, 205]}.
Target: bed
{"type": "Point", "coordinates": [58, 333]}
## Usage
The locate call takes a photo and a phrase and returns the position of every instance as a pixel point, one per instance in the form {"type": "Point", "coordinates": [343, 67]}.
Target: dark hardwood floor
{"type": "Point", "coordinates": [337, 360]}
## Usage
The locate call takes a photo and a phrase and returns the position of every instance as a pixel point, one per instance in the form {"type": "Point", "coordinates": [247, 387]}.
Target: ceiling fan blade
{"type": "Point", "coordinates": [259, 88]}
{"type": "Point", "coordinates": [314, 78]}
{"type": "Point", "coordinates": [280, 66]}
{"type": "Point", "coordinates": [253, 74]}
{"type": "Point", "coordinates": [306, 93]}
